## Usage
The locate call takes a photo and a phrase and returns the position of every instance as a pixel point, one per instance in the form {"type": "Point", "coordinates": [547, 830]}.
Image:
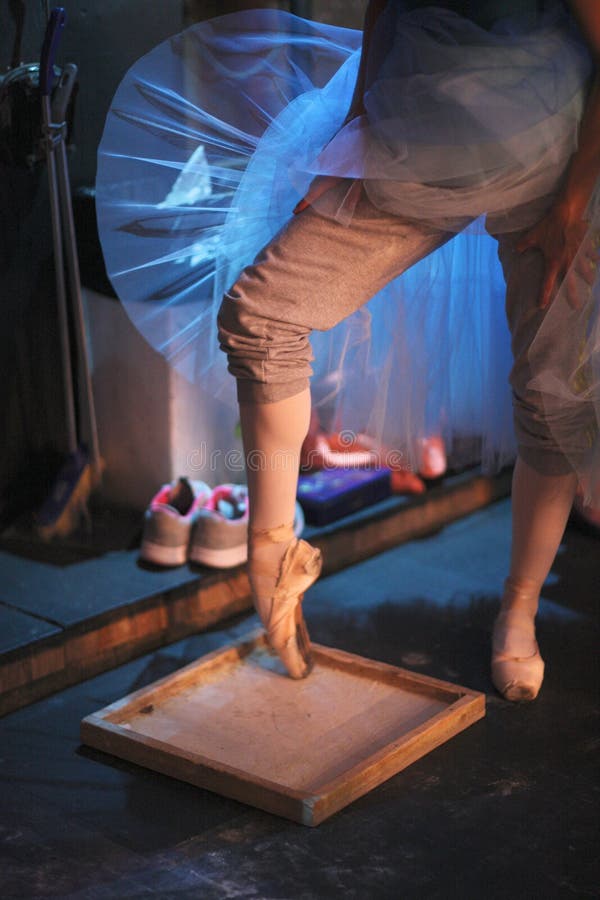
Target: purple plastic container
{"type": "Point", "coordinates": [329, 494]}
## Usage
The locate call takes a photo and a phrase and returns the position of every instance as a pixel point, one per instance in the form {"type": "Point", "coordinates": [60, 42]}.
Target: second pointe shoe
{"type": "Point", "coordinates": [517, 665]}
{"type": "Point", "coordinates": [286, 629]}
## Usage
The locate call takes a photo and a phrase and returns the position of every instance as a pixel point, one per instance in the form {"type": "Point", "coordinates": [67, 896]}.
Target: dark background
{"type": "Point", "coordinates": [103, 40]}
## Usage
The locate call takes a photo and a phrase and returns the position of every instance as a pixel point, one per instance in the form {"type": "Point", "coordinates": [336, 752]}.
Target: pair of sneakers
{"type": "Point", "coordinates": [189, 521]}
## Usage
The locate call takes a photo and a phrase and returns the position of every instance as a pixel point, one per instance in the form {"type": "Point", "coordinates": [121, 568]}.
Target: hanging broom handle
{"type": "Point", "coordinates": [52, 36]}
{"type": "Point", "coordinates": [51, 40]}
{"type": "Point", "coordinates": [64, 190]}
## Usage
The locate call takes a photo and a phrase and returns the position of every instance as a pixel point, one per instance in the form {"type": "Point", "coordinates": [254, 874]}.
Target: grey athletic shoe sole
{"type": "Point", "coordinates": [161, 555]}
{"type": "Point", "coordinates": [217, 541]}
{"type": "Point", "coordinates": [165, 539]}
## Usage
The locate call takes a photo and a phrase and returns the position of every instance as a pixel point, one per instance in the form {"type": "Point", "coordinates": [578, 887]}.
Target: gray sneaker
{"type": "Point", "coordinates": [168, 521]}
{"type": "Point", "coordinates": [220, 532]}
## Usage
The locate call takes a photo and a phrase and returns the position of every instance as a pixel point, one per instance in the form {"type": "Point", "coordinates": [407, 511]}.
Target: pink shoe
{"type": "Point", "coordinates": [517, 667]}
{"type": "Point", "coordinates": [517, 678]}
{"type": "Point", "coordinates": [281, 614]}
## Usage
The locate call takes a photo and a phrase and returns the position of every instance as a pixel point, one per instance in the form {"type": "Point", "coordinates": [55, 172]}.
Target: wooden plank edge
{"type": "Point", "coordinates": [362, 666]}
{"type": "Point", "coordinates": [425, 515]}
{"type": "Point", "coordinates": [364, 777]}
{"type": "Point", "coordinates": [83, 654]}
{"type": "Point", "coordinates": [232, 652]}
{"type": "Point", "coordinates": [193, 769]}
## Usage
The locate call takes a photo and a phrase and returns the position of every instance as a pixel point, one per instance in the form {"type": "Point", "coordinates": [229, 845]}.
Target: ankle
{"type": "Point", "coordinates": [520, 597]}
{"type": "Point", "coordinates": [266, 537]}
{"type": "Point", "coordinates": [522, 585]}
{"type": "Point", "coordinates": [267, 546]}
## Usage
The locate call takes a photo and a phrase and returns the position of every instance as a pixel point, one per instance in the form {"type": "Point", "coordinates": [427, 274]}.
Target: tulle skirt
{"type": "Point", "coordinates": [214, 136]}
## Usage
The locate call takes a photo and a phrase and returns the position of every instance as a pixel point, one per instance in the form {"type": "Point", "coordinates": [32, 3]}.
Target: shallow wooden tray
{"type": "Point", "coordinates": [231, 723]}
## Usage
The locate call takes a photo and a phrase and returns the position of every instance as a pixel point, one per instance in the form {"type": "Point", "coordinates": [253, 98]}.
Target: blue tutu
{"type": "Point", "coordinates": [214, 136]}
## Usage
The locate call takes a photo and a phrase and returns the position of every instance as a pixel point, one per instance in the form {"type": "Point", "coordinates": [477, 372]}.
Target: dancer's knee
{"type": "Point", "coordinates": [550, 445]}
{"type": "Point", "coordinates": [269, 358]}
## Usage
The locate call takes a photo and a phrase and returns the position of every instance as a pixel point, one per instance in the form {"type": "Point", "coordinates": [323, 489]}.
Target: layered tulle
{"type": "Point", "coordinates": [461, 121]}
{"type": "Point", "coordinates": [214, 136]}
{"type": "Point", "coordinates": [565, 361]}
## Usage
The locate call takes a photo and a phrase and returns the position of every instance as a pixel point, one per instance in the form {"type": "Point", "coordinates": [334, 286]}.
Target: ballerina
{"type": "Point", "coordinates": [320, 268]}
{"type": "Point", "coordinates": [414, 145]}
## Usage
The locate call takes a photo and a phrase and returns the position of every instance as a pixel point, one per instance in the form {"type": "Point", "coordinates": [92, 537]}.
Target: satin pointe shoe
{"type": "Point", "coordinates": [284, 623]}
{"type": "Point", "coordinates": [517, 666]}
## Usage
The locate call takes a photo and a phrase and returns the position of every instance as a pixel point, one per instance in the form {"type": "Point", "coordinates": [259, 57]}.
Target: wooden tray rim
{"type": "Point", "coordinates": [359, 666]}
{"type": "Point", "coordinates": [467, 701]}
{"type": "Point", "coordinates": [95, 721]}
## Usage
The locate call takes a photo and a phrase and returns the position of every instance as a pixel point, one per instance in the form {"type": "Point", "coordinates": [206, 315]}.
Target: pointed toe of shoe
{"type": "Point", "coordinates": [286, 631]}
{"type": "Point", "coordinates": [518, 680]}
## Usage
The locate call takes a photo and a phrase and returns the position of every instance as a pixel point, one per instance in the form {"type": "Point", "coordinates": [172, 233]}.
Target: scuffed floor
{"type": "Point", "coordinates": [508, 808]}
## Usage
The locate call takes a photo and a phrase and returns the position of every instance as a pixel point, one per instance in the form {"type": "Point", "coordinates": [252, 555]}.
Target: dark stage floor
{"type": "Point", "coordinates": [508, 809]}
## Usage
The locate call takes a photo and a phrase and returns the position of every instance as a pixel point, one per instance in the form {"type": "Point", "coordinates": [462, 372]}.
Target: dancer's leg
{"type": "Point", "coordinates": [541, 505]}
{"type": "Point", "coordinates": [313, 274]}
{"type": "Point", "coordinates": [543, 490]}
{"type": "Point", "coordinates": [272, 434]}
{"type": "Point", "coordinates": [540, 509]}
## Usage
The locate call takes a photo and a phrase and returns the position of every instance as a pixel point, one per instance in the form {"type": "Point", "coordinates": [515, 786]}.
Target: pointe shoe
{"type": "Point", "coordinates": [286, 629]}
{"type": "Point", "coordinates": [516, 677]}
